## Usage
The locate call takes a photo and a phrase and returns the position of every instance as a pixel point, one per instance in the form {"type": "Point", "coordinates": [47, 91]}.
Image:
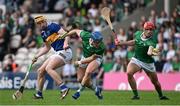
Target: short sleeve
{"type": "Point", "coordinates": [85, 35]}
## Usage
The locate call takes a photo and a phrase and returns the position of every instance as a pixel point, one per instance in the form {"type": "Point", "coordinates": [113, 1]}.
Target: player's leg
{"type": "Point", "coordinates": [55, 62]}
{"type": "Point", "coordinates": [98, 62]}
{"type": "Point", "coordinates": [80, 75]}
{"type": "Point", "coordinates": [132, 68]}
{"type": "Point", "coordinates": [92, 66]}
{"type": "Point", "coordinates": [154, 79]}
{"type": "Point", "coordinates": [95, 64]}
{"type": "Point", "coordinates": [40, 80]}
{"type": "Point", "coordinates": [86, 81]}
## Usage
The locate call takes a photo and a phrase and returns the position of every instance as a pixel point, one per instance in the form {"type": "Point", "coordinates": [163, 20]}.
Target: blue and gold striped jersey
{"type": "Point", "coordinates": [50, 34]}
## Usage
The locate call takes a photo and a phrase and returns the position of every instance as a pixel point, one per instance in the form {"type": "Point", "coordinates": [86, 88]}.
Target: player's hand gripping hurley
{"type": "Point", "coordinates": [105, 13]}
{"type": "Point", "coordinates": [18, 94]}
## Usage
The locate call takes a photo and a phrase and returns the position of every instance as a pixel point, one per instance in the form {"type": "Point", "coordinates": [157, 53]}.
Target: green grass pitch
{"type": "Point", "coordinates": [51, 97]}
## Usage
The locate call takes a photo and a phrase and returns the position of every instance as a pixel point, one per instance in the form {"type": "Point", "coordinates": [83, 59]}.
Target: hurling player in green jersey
{"type": "Point", "coordinates": [145, 44]}
{"type": "Point", "coordinates": [93, 50]}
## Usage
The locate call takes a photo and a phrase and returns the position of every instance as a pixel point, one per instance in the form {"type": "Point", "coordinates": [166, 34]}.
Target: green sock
{"type": "Point", "coordinates": [159, 93]}
{"type": "Point", "coordinates": [135, 92]}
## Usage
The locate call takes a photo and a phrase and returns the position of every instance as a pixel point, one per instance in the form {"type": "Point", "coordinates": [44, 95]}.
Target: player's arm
{"type": "Point", "coordinates": [66, 43]}
{"type": "Point", "coordinates": [88, 59]}
{"type": "Point", "coordinates": [127, 43]}
{"type": "Point", "coordinates": [61, 32]}
{"type": "Point", "coordinates": [153, 51]}
{"type": "Point", "coordinates": [74, 31]}
{"type": "Point", "coordinates": [42, 51]}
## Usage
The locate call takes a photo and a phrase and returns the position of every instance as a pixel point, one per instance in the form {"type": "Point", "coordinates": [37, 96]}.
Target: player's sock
{"type": "Point", "coordinates": [39, 93]}
{"type": "Point", "coordinates": [98, 91]}
{"type": "Point", "coordinates": [135, 92]}
{"type": "Point", "coordinates": [159, 93]}
{"type": "Point", "coordinates": [92, 87]}
{"type": "Point", "coordinates": [81, 88]}
{"type": "Point", "coordinates": [63, 87]}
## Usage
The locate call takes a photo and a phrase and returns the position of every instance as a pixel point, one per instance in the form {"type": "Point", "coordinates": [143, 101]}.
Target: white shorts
{"type": "Point", "coordinates": [98, 60]}
{"type": "Point", "coordinates": [65, 55]}
{"type": "Point", "coordinates": [149, 67]}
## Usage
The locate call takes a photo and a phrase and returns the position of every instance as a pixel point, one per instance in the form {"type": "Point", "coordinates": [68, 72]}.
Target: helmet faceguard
{"type": "Point", "coordinates": [96, 38]}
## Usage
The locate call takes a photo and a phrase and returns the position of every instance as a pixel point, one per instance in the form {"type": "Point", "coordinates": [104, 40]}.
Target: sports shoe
{"type": "Point", "coordinates": [163, 98]}
{"type": "Point", "coordinates": [36, 96]}
{"type": "Point", "coordinates": [76, 95]}
{"type": "Point", "coordinates": [98, 93]}
{"type": "Point", "coordinates": [135, 98]}
{"type": "Point", "coordinates": [64, 93]}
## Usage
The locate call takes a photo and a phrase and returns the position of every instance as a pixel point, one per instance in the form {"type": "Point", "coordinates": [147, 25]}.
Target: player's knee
{"type": "Point", "coordinates": [79, 79]}
{"type": "Point", "coordinates": [130, 74]}
{"type": "Point", "coordinates": [88, 73]}
{"type": "Point", "coordinates": [41, 72]}
{"type": "Point", "coordinates": [48, 69]}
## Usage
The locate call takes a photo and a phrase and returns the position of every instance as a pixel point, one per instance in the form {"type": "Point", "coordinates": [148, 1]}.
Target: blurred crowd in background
{"type": "Point", "coordinates": [20, 39]}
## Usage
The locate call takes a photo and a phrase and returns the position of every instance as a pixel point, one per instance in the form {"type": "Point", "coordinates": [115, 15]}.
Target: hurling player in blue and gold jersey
{"type": "Point", "coordinates": [50, 34]}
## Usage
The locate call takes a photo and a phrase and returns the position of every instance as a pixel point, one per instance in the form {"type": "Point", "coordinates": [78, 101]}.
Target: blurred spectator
{"type": "Point", "coordinates": [93, 10]}
{"type": "Point", "coordinates": [110, 47]}
{"type": "Point", "coordinates": [30, 39]}
{"type": "Point", "coordinates": [130, 52]}
{"type": "Point", "coordinates": [126, 10]}
{"type": "Point", "coordinates": [117, 6]}
{"type": "Point", "coordinates": [68, 16]}
{"type": "Point", "coordinates": [153, 17]}
{"type": "Point", "coordinates": [69, 71]}
{"type": "Point", "coordinates": [141, 23]}
{"type": "Point", "coordinates": [80, 18]}
{"type": "Point", "coordinates": [113, 16]}
{"type": "Point", "coordinates": [9, 65]}
{"type": "Point", "coordinates": [4, 39]}
{"type": "Point", "coordinates": [60, 5]}
{"type": "Point", "coordinates": [167, 66]}
{"type": "Point", "coordinates": [97, 25]}
{"type": "Point", "coordinates": [108, 64]}
{"type": "Point", "coordinates": [39, 40]}
{"type": "Point", "coordinates": [120, 52]}
{"type": "Point", "coordinates": [118, 65]}
{"type": "Point", "coordinates": [171, 51]}
{"type": "Point", "coordinates": [160, 64]}
{"type": "Point", "coordinates": [163, 18]}
{"type": "Point", "coordinates": [132, 29]}
{"type": "Point", "coordinates": [176, 63]}
{"type": "Point", "coordinates": [122, 35]}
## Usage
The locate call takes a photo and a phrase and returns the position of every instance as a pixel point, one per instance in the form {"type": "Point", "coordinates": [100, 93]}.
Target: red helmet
{"type": "Point", "coordinates": [149, 25]}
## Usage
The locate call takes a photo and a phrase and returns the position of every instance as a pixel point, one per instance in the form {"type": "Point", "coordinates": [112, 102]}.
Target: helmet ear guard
{"type": "Point", "coordinates": [96, 36]}
{"type": "Point", "coordinates": [39, 19]}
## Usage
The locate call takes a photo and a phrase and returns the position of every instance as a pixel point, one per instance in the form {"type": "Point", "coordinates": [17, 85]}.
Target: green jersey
{"type": "Point", "coordinates": [142, 46]}
{"type": "Point", "coordinates": [89, 50]}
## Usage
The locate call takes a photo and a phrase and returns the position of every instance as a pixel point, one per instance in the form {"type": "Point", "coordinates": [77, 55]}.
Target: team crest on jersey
{"type": "Point", "coordinates": [52, 38]}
